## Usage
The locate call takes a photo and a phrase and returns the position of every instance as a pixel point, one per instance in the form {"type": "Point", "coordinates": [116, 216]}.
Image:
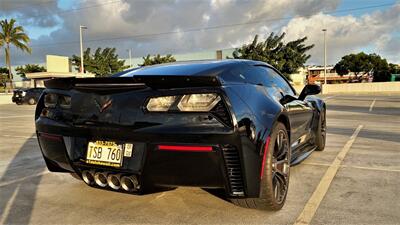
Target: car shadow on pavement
{"type": "Point", "coordinates": [19, 184]}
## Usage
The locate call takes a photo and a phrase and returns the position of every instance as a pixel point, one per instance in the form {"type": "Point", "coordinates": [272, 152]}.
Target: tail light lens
{"type": "Point", "coordinates": [187, 103]}
{"type": "Point", "coordinates": [198, 102]}
{"type": "Point", "coordinates": [64, 101]}
{"type": "Point", "coordinates": [50, 100]}
{"type": "Point", "coordinates": [160, 104]}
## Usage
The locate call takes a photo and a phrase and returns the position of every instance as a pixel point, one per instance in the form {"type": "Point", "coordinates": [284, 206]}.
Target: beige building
{"type": "Point", "coordinates": [300, 77]}
{"type": "Point", "coordinates": [56, 67]}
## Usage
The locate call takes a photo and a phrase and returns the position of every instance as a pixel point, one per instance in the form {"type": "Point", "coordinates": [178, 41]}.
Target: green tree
{"type": "Point", "coordinates": [394, 68]}
{"type": "Point", "coordinates": [157, 59]}
{"type": "Point", "coordinates": [286, 57]}
{"type": "Point", "coordinates": [11, 34]}
{"type": "Point", "coordinates": [3, 77]}
{"type": "Point", "coordinates": [361, 64]}
{"type": "Point", "coordinates": [103, 63]}
{"type": "Point", "coordinates": [29, 68]}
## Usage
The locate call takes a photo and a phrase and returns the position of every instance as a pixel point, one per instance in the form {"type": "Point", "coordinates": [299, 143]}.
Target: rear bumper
{"type": "Point", "coordinates": [17, 99]}
{"type": "Point", "coordinates": [64, 149]}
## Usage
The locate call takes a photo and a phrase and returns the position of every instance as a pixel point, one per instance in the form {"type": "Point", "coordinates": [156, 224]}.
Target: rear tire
{"type": "Point", "coordinates": [275, 179]}
{"type": "Point", "coordinates": [320, 138]}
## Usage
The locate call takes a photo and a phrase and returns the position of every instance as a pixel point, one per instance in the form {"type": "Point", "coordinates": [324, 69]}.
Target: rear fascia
{"type": "Point", "coordinates": [169, 128]}
{"type": "Point", "coordinates": [146, 130]}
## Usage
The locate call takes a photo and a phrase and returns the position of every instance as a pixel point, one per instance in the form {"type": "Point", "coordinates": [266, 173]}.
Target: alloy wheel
{"type": "Point", "coordinates": [280, 166]}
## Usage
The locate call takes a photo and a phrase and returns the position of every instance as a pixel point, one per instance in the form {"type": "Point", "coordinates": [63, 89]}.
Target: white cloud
{"type": "Point", "coordinates": [349, 34]}
{"type": "Point", "coordinates": [131, 18]}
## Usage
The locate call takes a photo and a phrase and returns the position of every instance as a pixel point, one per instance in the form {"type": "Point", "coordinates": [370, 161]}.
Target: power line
{"type": "Point", "coordinates": [28, 5]}
{"type": "Point", "coordinates": [60, 12]}
{"type": "Point", "coordinates": [211, 27]}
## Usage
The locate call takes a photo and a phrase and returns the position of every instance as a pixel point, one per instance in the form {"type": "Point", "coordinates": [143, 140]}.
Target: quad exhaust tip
{"type": "Point", "coordinates": [130, 183]}
{"type": "Point", "coordinates": [114, 181]}
{"type": "Point", "coordinates": [101, 178]}
{"type": "Point", "coordinates": [88, 177]}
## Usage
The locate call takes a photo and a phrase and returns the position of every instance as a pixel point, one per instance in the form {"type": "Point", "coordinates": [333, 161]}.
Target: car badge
{"type": "Point", "coordinates": [103, 107]}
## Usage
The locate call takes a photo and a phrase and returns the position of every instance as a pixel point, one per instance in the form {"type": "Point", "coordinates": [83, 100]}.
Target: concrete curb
{"type": "Point", "coordinates": [5, 99]}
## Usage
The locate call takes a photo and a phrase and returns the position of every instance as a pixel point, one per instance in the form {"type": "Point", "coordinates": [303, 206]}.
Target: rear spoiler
{"type": "Point", "coordinates": [138, 82]}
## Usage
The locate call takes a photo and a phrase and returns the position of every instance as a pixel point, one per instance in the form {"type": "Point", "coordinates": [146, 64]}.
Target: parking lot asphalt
{"type": "Point", "coordinates": [356, 180]}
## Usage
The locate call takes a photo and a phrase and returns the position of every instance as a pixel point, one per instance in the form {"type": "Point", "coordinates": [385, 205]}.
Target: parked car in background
{"type": "Point", "coordinates": [29, 96]}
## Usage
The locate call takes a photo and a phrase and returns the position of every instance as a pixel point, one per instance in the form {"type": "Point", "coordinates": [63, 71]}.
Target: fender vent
{"type": "Point", "coordinates": [233, 169]}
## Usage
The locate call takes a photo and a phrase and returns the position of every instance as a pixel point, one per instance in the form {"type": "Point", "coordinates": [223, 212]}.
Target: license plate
{"type": "Point", "coordinates": [105, 153]}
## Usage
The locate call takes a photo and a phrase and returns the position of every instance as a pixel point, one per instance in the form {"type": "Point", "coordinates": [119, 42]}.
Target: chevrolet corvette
{"type": "Point", "coordinates": [233, 125]}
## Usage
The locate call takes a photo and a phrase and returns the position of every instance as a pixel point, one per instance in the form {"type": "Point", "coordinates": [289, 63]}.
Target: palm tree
{"type": "Point", "coordinates": [10, 34]}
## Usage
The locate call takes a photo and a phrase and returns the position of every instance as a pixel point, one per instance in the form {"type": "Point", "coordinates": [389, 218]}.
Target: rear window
{"type": "Point", "coordinates": [248, 74]}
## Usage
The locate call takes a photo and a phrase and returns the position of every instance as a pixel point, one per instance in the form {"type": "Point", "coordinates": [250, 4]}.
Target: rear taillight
{"type": "Point", "coordinates": [198, 102]}
{"type": "Point", "coordinates": [160, 104]}
{"type": "Point", "coordinates": [51, 100]}
{"type": "Point", "coordinates": [186, 103]}
{"type": "Point", "coordinates": [64, 101]}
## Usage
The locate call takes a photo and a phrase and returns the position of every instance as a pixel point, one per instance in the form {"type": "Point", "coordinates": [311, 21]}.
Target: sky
{"type": "Point", "coordinates": [184, 26]}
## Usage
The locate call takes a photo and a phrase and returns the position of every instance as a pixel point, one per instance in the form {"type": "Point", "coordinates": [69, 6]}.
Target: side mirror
{"type": "Point", "coordinates": [309, 89]}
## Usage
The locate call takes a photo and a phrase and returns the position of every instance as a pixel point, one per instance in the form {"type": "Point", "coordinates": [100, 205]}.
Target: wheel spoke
{"type": "Point", "coordinates": [281, 145]}
{"type": "Point", "coordinates": [280, 187]}
{"type": "Point", "coordinates": [280, 166]}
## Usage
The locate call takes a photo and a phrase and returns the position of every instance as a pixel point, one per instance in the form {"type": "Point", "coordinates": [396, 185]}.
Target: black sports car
{"type": "Point", "coordinates": [235, 125]}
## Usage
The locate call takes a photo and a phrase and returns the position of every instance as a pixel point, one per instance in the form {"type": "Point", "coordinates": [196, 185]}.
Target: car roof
{"type": "Point", "coordinates": [190, 68]}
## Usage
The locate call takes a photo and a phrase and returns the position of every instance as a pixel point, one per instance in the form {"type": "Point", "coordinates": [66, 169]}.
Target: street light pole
{"type": "Point", "coordinates": [324, 30]}
{"type": "Point", "coordinates": [81, 42]}
{"type": "Point", "coordinates": [130, 57]}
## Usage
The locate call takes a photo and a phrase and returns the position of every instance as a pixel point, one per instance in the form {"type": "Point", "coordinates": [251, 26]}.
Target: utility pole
{"type": "Point", "coordinates": [324, 30]}
{"type": "Point", "coordinates": [81, 42]}
{"type": "Point", "coordinates": [130, 57]}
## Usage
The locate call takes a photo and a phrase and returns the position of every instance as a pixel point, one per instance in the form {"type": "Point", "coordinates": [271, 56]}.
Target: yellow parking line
{"type": "Point", "coordinates": [313, 203]}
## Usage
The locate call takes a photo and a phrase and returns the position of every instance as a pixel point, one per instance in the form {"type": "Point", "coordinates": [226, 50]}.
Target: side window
{"type": "Point", "coordinates": [279, 82]}
{"type": "Point", "coordinates": [263, 76]}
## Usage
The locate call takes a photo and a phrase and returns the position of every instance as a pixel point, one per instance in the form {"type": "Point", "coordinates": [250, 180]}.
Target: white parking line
{"type": "Point", "coordinates": [16, 136]}
{"type": "Point", "coordinates": [330, 97]}
{"type": "Point", "coordinates": [354, 167]}
{"type": "Point", "coordinates": [372, 105]}
{"type": "Point", "coordinates": [7, 208]}
{"type": "Point", "coordinates": [10, 117]}
{"type": "Point", "coordinates": [313, 203]}
{"type": "Point", "coordinates": [22, 179]}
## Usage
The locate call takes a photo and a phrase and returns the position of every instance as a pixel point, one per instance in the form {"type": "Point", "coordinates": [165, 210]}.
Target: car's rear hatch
{"type": "Point", "coordinates": [122, 101]}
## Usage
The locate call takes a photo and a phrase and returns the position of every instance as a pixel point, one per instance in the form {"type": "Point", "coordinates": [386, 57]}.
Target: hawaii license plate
{"type": "Point", "coordinates": [104, 153]}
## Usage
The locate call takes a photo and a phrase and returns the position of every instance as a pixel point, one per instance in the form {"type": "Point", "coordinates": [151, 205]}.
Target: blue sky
{"type": "Point", "coordinates": [53, 25]}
